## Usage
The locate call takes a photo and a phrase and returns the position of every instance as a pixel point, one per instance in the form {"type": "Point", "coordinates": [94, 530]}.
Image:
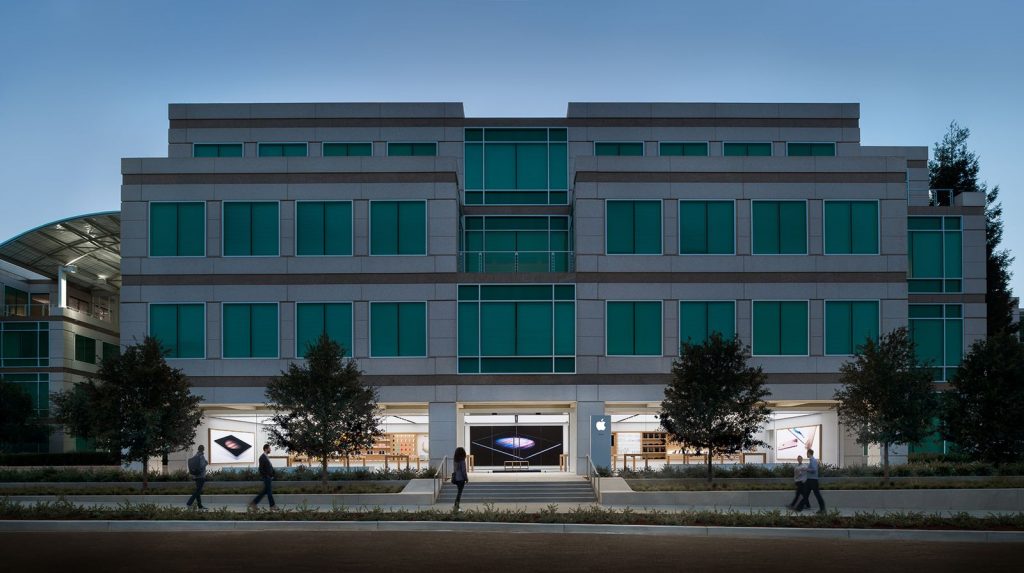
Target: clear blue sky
{"type": "Point", "coordinates": [84, 83]}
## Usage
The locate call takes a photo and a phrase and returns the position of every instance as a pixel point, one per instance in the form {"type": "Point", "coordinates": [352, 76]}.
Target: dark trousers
{"type": "Point", "coordinates": [809, 486]}
{"type": "Point", "coordinates": [268, 484]}
{"type": "Point", "coordinates": [798, 495]}
{"type": "Point", "coordinates": [458, 497]}
{"type": "Point", "coordinates": [197, 496]}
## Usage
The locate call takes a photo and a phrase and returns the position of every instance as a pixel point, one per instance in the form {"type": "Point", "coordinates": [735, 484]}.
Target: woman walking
{"type": "Point", "coordinates": [799, 478]}
{"type": "Point", "coordinates": [460, 475]}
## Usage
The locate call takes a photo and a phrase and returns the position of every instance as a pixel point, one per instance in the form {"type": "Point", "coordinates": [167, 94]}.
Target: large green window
{"type": "Point", "coordinates": [250, 330]}
{"type": "Point", "coordinates": [526, 244]}
{"type": "Point", "coordinates": [251, 229]}
{"type": "Point", "coordinates": [323, 228]}
{"type": "Point", "coordinates": [283, 150]}
{"type": "Point", "coordinates": [935, 248]}
{"type": "Point", "coordinates": [37, 386]}
{"type": "Point", "coordinates": [347, 149]}
{"type": "Point", "coordinates": [398, 329]}
{"type": "Point", "coordinates": [684, 149]}
{"type": "Point", "coordinates": [848, 323]}
{"type": "Point", "coordinates": [85, 349]}
{"type": "Point", "coordinates": [851, 227]}
{"type": "Point", "coordinates": [780, 328]}
{"type": "Point", "coordinates": [633, 227]}
{"type": "Point", "coordinates": [517, 329]}
{"type": "Point", "coordinates": [811, 149]}
{"type": "Point", "coordinates": [412, 149]}
{"type": "Point", "coordinates": [633, 328]}
{"type": "Point", "coordinates": [698, 319]}
{"type": "Point", "coordinates": [780, 227]}
{"type": "Point", "coordinates": [398, 227]}
{"type": "Point", "coordinates": [758, 149]}
{"type": "Point", "coordinates": [177, 229]}
{"type": "Point", "coordinates": [180, 328]}
{"type": "Point", "coordinates": [110, 351]}
{"type": "Point", "coordinates": [24, 344]}
{"type": "Point", "coordinates": [516, 166]}
{"type": "Point", "coordinates": [706, 228]}
{"type": "Point", "coordinates": [938, 333]}
{"type": "Point", "coordinates": [216, 150]}
{"type": "Point", "coordinates": [331, 318]}
{"type": "Point", "coordinates": [631, 148]}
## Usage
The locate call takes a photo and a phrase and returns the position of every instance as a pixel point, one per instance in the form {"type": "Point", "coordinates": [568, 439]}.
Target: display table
{"type": "Point", "coordinates": [563, 462]}
{"type": "Point", "coordinates": [517, 465]}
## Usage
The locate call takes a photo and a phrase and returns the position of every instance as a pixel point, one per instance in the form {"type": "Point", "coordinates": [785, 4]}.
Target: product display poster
{"type": "Point", "coordinates": [793, 442]}
{"type": "Point", "coordinates": [229, 447]}
{"type": "Point", "coordinates": [494, 445]}
{"type": "Point", "coordinates": [628, 443]}
{"type": "Point", "coordinates": [423, 446]}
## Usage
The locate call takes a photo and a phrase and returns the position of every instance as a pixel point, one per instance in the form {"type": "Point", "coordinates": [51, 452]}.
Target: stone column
{"type": "Point", "coordinates": [443, 430]}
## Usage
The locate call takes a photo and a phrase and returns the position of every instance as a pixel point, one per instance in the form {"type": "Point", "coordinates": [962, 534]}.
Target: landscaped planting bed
{"type": "Point", "coordinates": [214, 488]}
{"type": "Point", "coordinates": [786, 484]}
{"type": "Point", "coordinates": [298, 473]}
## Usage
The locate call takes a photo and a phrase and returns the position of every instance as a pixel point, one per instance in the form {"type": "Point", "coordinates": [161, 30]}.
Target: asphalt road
{"type": "Point", "coordinates": [484, 552]}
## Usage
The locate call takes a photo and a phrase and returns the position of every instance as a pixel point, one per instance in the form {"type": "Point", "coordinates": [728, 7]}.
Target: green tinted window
{"type": "Point", "coordinates": [811, 149]}
{"type": "Point", "coordinates": [177, 229]}
{"type": "Point", "coordinates": [323, 228]}
{"type": "Point", "coordinates": [24, 344]}
{"type": "Point", "coordinates": [250, 229]}
{"type": "Point", "coordinates": [217, 150]}
{"type": "Point", "coordinates": [780, 328]}
{"type": "Point", "coordinates": [633, 328]}
{"type": "Point", "coordinates": [398, 329]}
{"type": "Point", "coordinates": [347, 149]}
{"type": "Point", "coordinates": [614, 148]}
{"type": "Point", "coordinates": [780, 227]}
{"type": "Point", "coordinates": [747, 149]}
{"type": "Point", "coordinates": [851, 227]}
{"type": "Point", "coordinates": [699, 319]}
{"type": "Point", "coordinates": [110, 351]}
{"type": "Point", "coordinates": [85, 349]}
{"type": "Point", "coordinates": [516, 244]}
{"type": "Point", "coordinates": [938, 336]}
{"type": "Point", "coordinates": [516, 166]}
{"type": "Point", "coordinates": [314, 319]}
{"type": "Point", "coordinates": [706, 227]}
{"type": "Point", "coordinates": [848, 324]}
{"type": "Point", "coordinates": [695, 149]}
{"type": "Point", "coordinates": [633, 227]}
{"type": "Point", "coordinates": [412, 149]}
{"type": "Point", "coordinates": [180, 328]}
{"type": "Point", "coordinates": [935, 250]}
{"type": "Point", "coordinates": [250, 330]}
{"type": "Point", "coordinates": [283, 150]}
{"type": "Point", "coordinates": [398, 227]}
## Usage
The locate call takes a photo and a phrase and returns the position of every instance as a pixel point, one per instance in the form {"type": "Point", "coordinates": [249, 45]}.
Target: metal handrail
{"type": "Point", "coordinates": [595, 479]}
{"type": "Point", "coordinates": [34, 309]}
{"type": "Point", "coordinates": [440, 477]}
{"type": "Point", "coordinates": [515, 261]}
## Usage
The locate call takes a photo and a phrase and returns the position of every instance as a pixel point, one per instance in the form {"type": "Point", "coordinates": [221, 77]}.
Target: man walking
{"type": "Point", "coordinates": [799, 479]}
{"type": "Point", "coordinates": [197, 469]}
{"type": "Point", "coordinates": [811, 485]}
{"type": "Point", "coordinates": [267, 473]}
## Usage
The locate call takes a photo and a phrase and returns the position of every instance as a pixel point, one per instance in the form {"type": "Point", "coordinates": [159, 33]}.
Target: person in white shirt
{"type": "Point", "coordinates": [811, 485]}
{"type": "Point", "coordinates": [799, 477]}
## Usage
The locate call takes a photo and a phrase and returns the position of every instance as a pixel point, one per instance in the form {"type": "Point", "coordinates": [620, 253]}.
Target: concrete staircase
{"type": "Point", "coordinates": [520, 492]}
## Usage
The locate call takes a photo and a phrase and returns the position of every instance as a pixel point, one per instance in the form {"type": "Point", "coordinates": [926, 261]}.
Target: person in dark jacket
{"type": "Point", "coordinates": [460, 475]}
{"type": "Point", "coordinates": [200, 477]}
{"type": "Point", "coordinates": [267, 473]}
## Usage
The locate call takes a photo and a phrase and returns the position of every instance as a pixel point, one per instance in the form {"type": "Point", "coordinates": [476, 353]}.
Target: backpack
{"type": "Point", "coordinates": [193, 465]}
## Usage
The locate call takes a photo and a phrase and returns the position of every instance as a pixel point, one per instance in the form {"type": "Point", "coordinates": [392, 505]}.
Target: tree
{"type": "Point", "coordinates": [18, 421]}
{"type": "Point", "coordinates": [886, 395]}
{"type": "Point", "coordinates": [323, 408]}
{"type": "Point", "coordinates": [136, 405]}
{"type": "Point", "coordinates": [956, 167]}
{"type": "Point", "coordinates": [981, 409]}
{"type": "Point", "coordinates": [715, 401]}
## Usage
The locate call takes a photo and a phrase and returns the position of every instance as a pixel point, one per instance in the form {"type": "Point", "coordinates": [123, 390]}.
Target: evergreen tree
{"type": "Point", "coordinates": [956, 167]}
{"type": "Point", "coordinates": [715, 401]}
{"type": "Point", "coordinates": [886, 395]}
{"type": "Point", "coordinates": [137, 405]}
{"type": "Point", "coordinates": [323, 408]}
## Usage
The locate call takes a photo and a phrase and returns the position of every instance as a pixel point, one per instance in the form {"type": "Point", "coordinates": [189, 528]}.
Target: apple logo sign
{"type": "Point", "coordinates": [600, 425]}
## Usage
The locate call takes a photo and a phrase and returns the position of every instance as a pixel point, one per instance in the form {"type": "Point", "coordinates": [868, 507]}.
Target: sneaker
{"type": "Point", "coordinates": [251, 506]}
{"type": "Point", "coordinates": [202, 508]}
{"type": "Point", "coordinates": [273, 508]}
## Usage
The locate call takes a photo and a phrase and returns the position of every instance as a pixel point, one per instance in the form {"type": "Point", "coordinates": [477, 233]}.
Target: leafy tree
{"type": "Point", "coordinates": [323, 408]}
{"type": "Point", "coordinates": [982, 407]}
{"type": "Point", "coordinates": [886, 396]}
{"type": "Point", "coordinates": [136, 405]}
{"type": "Point", "coordinates": [956, 167]}
{"type": "Point", "coordinates": [715, 401]}
{"type": "Point", "coordinates": [18, 421]}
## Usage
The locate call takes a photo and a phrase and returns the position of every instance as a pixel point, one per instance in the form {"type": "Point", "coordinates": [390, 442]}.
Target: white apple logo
{"type": "Point", "coordinates": [600, 425]}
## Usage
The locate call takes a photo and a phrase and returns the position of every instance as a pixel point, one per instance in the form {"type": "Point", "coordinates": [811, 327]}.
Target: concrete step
{"type": "Point", "coordinates": [520, 492]}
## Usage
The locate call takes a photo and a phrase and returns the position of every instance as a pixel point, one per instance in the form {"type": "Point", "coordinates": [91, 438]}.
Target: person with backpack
{"type": "Point", "coordinates": [267, 473]}
{"type": "Point", "coordinates": [197, 469]}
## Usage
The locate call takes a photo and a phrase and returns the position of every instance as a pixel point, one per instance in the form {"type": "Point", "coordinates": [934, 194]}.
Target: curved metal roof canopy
{"type": "Point", "coordinates": [92, 243]}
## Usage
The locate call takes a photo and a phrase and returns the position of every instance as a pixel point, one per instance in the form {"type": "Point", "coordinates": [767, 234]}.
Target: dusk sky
{"type": "Point", "coordinates": [85, 83]}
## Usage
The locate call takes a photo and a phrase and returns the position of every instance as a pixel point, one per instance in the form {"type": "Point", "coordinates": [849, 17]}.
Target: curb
{"type": "Point", "coordinates": [114, 526]}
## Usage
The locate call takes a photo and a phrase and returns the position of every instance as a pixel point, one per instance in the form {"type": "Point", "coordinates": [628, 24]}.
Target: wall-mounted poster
{"type": "Point", "coordinates": [229, 447]}
{"type": "Point", "coordinates": [423, 446]}
{"type": "Point", "coordinates": [494, 445]}
{"type": "Point", "coordinates": [628, 443]}
{"type": "Point", "coordinates": [793, 442]}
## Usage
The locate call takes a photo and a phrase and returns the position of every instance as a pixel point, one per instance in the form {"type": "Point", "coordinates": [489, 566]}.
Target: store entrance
{"type": "Point", "coordinates": [511, 444]}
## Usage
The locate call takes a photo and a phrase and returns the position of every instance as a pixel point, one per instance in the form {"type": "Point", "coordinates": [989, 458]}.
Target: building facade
{"type": "Point", "coordinates": [502, 280]}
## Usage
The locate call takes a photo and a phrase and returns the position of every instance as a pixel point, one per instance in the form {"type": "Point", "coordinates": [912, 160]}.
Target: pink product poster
{"type": "Point", "coordinates": [793, 442]}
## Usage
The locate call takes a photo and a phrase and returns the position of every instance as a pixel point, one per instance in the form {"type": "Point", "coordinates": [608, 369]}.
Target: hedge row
{"type": "Point", "coordinates": [298, 473]}
{"type": "Point", "coordinates": [930, 469]}
{"type": "Point", "coordinates": [64, 459]}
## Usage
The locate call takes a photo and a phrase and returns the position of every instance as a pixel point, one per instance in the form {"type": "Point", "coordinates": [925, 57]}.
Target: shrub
{"type": "Point", "coordinates": [60, 459]}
